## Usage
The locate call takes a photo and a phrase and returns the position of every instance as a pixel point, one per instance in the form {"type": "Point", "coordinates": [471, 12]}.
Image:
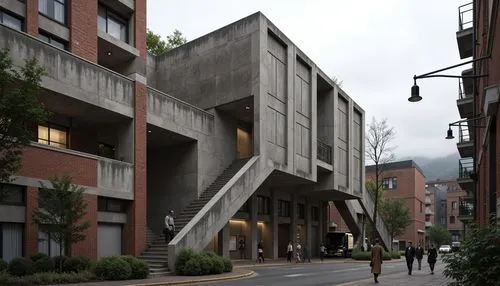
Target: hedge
{"type": "Point", "coordinates": [191, 263]}
{"type": "Point", "coordinates": [46, 278]}
{"type": "Point", "coordinates": [365, 255]}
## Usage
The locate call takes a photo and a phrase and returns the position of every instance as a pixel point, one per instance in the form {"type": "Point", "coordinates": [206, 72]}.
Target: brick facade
{"type": "Point", "coordinates": [83, 27]}
{"type": "Point", "coordinates": [32, 17]}
{"type": "Point", "coordinates": [88, 247]}
{"type": "Point", "coordinates": [31, 229]}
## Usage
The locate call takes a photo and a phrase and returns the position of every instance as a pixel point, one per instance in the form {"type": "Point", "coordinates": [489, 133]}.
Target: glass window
{"type": "Point", "coordinates": [452, 219]}
{"type": "Point", "coordinates": [106, 150]}
{"type": "Point", "coordinates": [263, 205]}
{"type": "Point", "coordinates": [454, 205]}
{"type": "Point", "coordinates": [284, 208]}
{"type": "Point", "coordinates": [61, 44]}
{"type": "Point", "coordinates": [53, 136]}
{"type": "Point", "coordinates": [11, 21]}
{"type": "Point", "coordinates": [111, 205]}
{"type": "Point", "coordinates": [315, 213]}
{"type": "Point", "coordinates": [390, 183]}
{"type": "Point", "coordinates": [11, 240]}
{"type": "Point", "coordinates": [12, 194]}
{"type": "Point", "coordinates": [112, 24]}
{"type": "Point", "coordinates": [301, 211]}
{"type": "Point", "coordinates": [47, 245]}
{"type": "Point", "coordinates": [54, 9]}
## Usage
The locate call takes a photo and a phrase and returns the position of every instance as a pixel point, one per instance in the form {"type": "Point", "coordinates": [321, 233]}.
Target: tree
{"type": "Point", "coordinates": [396, 215]}
{"type": "Point", "coordinates": [379, 136]}
{"type": "Point", "coordinates": [60, 213]}
{"type": "Point", "coordinates": [157, 46]}
{"type": "Point", "coordinates": [337, 81]}
{"type": "Point", "coordinates": [439, 235]}
{"type": "Point", "coordinates": [20, 109]}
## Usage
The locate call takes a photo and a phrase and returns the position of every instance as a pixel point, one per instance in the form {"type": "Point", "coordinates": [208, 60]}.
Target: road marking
{"type": "Point", "coordinates": [296, 268]}
{"type": "Point", "coordinates": [349, 269]}
{"type": "Point", "coordinates": [296, 275]}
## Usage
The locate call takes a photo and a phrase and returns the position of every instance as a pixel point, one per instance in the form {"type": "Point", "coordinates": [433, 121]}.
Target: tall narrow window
{"type": "Point", "coordinates": [54, 9]}
{"type": "Point", "coordinates": [111, 23]}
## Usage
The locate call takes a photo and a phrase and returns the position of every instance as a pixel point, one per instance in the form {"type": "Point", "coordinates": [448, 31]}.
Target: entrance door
{"type": "Point", "coordinates": [243, 143]}
{"type": "Point", "coordinates": [109, 240]}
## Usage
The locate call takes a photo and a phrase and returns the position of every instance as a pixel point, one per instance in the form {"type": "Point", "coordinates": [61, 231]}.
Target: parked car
{"type": "Point", "coordinates": [455, 246]}
{"type": "Point", "coordinates": [445, 249]}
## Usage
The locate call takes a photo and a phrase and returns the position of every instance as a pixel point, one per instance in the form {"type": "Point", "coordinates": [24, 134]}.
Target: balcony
{"type": "Point", "coordinates": [466, 209]}
{"type": "Point", "coordinates": [465, 168]}
{"type": "Point", "coordinates": [465, 146]}
{"type": "Point", "coordinates": [465, 99]}
{"type": "Point", "coordinates": [324, 155]}
{"type": "Point", "coordinates": [464, 33]}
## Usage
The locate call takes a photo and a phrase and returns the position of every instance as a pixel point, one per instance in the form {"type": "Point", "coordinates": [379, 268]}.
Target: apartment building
{"type": "Point", "coordinates": [405, 180]}
{"type": "Point", "coordinates": [238, 132]}
{"type": "Point", "coordinates": [478, 39]}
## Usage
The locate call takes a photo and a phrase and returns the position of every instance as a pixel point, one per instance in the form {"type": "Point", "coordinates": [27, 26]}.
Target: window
{"type": "Point", "coordinates": [452, 219]}
{"type": "Point", "coordinates": [11, 21]}
{"type": "Point", "coordinates": [106, 150]}
{"type": "Point", "coordinates": [54, 9]}
{"type": "Point", "coordinates": [112, 24]}
{"type": "Point", "coordinates": [12, 194]}
{"type": "Point", "coordinates": [11, 240]}
{"type": "Point", "coordinates": [284, 208]}
{"type": "Point", "coordinates": [421, 207]}
{"type": "Point", "coordinates": [53, 135]}
{"type": "Point", "coordinates": [390, 183]}
{"type": "Point", "coordinates": [47, 245]}
{"type": "Point", "coordinates": [443, 220]}
{"type": "Point", "coordinates": [111, 205]}
{"type": "Point", "coordinates": [58, 43]}
{"type": "Point", "coordinates": [301, 211]}
{"type": "Point", "coordinates": [263, 205]}
{"type": "Point", "coordinates": [315, 213]}
{"type": "Point", "coordinates": [454, 205]}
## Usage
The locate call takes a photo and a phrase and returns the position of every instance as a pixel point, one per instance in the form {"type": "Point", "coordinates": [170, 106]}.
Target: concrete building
{"type": "Point", "coordinates": [238, 131]}
{"type": "Point", "coordinates": [405, 180]}
{"type": "Point", "coordinates": [478, 37]}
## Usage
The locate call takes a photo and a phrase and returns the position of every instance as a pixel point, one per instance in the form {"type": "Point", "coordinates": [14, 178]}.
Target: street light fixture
{"type": "Point", "coordinates": [415, 92]}
{"type": "Point", "coordinates": [449, 133]}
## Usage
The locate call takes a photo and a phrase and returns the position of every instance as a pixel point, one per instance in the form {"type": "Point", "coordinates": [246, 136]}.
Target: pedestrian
{"type": "Point", "coordinates": [260, 251]}
{"type": "Point", "coordinates": [169, 229]}
{"type": "Point", "coordinates": [241, 247]}
{"type": "Point", "coordinates": [289, 252]}
{"type": "Point", "coordinates": [419, 254]}
{"type": "Point", "coordinates": [431, 257]}
{"type": "Point", "coordinates": [410, 256]}
{"type": "Point", "coordinates": [376, 260]}
{"type": "Point", "coordinates": [322, 252]}
{"type": "Point", "coordinates": [298, 250]}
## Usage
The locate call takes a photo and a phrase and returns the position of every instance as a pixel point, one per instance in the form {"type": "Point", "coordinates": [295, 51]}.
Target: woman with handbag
{"type": "Point", "coordinates": [376, 260]}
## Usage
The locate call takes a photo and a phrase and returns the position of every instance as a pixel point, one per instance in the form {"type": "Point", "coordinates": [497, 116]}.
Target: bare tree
{"type": "Point", "coordinates": [378, 138]}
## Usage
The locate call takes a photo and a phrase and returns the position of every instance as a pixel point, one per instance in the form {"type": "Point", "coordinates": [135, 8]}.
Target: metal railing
{"type": "Point", "coordinates": [466, 207]}
{"type": "Point", "coordinates": [465, 14]}
{"type": "Point", "coordinates": [465, 168]}
{"type": "Point", "coordinates": [463, 133]}
{"type": "Point", "coordinates": [324, 152]}
{"type": "Point", "coordinates": [462, 92]}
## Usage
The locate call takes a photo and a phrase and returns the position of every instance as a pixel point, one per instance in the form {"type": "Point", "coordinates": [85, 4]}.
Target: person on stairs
{"type": "Point", "coordinates": [169, 229]}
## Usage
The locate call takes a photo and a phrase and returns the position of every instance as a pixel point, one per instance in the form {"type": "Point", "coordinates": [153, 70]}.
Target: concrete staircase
{"type": "Point", "coordinates": [349, 214]}
{"type": "Point", "coordinates": [368, 206]}
{"type": "Point", "coordinates": [156, 253]}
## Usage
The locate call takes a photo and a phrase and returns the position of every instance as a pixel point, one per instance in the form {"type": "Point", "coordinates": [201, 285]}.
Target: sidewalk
{"type": "Point", "coordinates": [282, 262]}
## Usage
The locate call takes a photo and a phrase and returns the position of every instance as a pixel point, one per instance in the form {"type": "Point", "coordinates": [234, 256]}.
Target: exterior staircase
{"type": "Point", "coordinates": [382, 232]}
{"type": "Point", "coordinates": [156, 253]}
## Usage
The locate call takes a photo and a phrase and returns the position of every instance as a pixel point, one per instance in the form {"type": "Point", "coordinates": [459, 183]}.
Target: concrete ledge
{"type": "Point", "coordinates": [199, 280]}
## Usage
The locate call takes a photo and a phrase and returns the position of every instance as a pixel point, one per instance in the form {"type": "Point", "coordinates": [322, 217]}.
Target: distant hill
{"type": "Point", "coordinates": [445, 167]}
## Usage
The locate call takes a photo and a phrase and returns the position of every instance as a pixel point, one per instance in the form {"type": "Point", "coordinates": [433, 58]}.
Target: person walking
{"type": "Point", "coordinates": [376, 260]}
{"type": "Point", "coordinates": [169, 229]}
{"type": "Point", "coordinates": [432, 257]}
{"type": "Point", "coordinates": [289, 252]}
{"type": "Point", "coordinates": [260, 251]}
{"type": "Point", "coordinates": [419, 254]}
{"type": "Point", "coordinates": [322, 252]}
{"type": "Point", "coordinates": [298, 254]}
{"type": "Point", "coordinates": [410, 256]}
{"type": "Point", "coordinates": [242, 249]}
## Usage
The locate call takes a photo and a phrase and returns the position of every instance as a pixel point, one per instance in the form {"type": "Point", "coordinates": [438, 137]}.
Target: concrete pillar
{"type": "Point", "coordinates": [223, 241]}
{"type": "Point", "coordinates": [253, 228]}
{"type": "Point", "coordinates": [274, 224]}
{"type": "Point", "coordinates": [308, 220]}
{"type": "Point", "coordinates": [293, 219]}
{"type": "Point", "coordinates": [322, 221]}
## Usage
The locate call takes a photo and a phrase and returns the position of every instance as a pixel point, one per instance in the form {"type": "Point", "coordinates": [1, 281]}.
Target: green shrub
{"type": "Point", "coordinates": [21, 266]}
{"type": "Point", "coordinates": [36, 257]}
{"type": "Point", "coordinates": [365, 255]}
{"type": "Point", "coordinates": [217, 265]}
{"type": "Point", "coordinates": [206, 263]}
{"type": "Point", "coordinates": [76, 264]}
{"type": "Point", "coordinates": [192, 267]}
{"type": "Point", "coordinates": [3, 265]}
{"type": "Point", "coordinates": [112, 268]}
{"type": "Point", "coordinates": [59, 262]}
{"type": "Point", "coordinates": [228, 265]}
{"type": "Point", "coordinates": [395, 255]}
{"type": "Point", "coordinates": [182, 258]}
{"type": "Point", "coordinates": [44, 264]}
{"type": "Point", "coordinates": [46, 278]}
{"type": "Point", "coordinates": [140, 269]}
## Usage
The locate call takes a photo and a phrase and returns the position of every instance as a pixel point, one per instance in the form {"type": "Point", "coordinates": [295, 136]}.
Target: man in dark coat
{"type": "Point", "coordinates": [410, 256]}
{"type": "Point", "coordinates": [431, 257]}
{"type": "Point", "coordinates": [419, 254]}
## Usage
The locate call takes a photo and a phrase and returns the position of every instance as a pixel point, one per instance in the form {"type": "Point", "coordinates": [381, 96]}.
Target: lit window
{"type": "Point", "coordinates": [52, 136]}
{"type": "Point", "coordinates": [454, 205]}
{"type": "Point", "coordinates": [54, 9]}
{"type": "Point", "coordinates": [112, 24]}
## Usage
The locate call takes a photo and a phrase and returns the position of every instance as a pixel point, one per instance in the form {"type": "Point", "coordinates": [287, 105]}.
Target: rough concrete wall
{"type": "Point", "coordinates": [357, 151]}
{"type": "Point", "coordinates": [151, 71]}
{"type": "Point", "coordinates": [212, 70]}
{"type": "Point", "coordinates": [303, 114]}
{"type": "Point", "coordinates": [341, 157]}
{"type": "Point", "coordinates": [172, 181]}
{"type": "Point", "coordinates": [115, 175]}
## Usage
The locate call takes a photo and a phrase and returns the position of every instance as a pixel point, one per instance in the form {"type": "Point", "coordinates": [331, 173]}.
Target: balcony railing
{"type": "Point", "coordinates": [465, 168]}
{"type": "Point", "coordinates": [465, 14]}
{"type": "Point", "coordinates": [463, 134]}
{"type": "Point", "coordinates": [324, 152]}
{"type": "Point", "coordinates": [466, 207]}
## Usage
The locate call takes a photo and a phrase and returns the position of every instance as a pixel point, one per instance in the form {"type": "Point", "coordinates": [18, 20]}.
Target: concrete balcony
{"type": "Point", "coordinates": [465, 171]}
{"type": "Point", "coordinates": [112, 50]}
{"type": "Point", "coordinates": [465, 99]}
{"type": "Point", "coordinates": [71, 76]}
{"type": "Point", "coordinates": [465, 146]}
{"type": "Point", "coordinates": [324, 156]}
{"type": "Point", "coordinates": [464, 33]}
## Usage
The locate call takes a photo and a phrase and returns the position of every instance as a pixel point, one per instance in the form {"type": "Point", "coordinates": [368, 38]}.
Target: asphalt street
{"type": "Point", "coordinates": [318, 274]}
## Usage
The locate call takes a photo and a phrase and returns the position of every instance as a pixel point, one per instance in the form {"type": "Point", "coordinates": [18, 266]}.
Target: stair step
{"type": "Point", "coordinates": [154, 258]}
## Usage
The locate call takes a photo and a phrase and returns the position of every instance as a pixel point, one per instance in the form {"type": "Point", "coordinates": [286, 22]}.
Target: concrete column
{"type": "Point", "coordinates": [253, 228]}
{"type": "Point", "coordinates": [274, 224]}
{"type": "Point", "coordinates": [293, 219]}
{"type": "Point", "coordinates": [223, 241]}
{"type": "Point", "coordinates": [308, 219]}
{"type": "Point", "coordinates": [322, 221]}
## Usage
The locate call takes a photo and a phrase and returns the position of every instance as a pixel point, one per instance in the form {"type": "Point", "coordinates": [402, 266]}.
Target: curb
{"type": "Point", "coordinates": [233, 277]}
{"type": "Point", "coordinates": [325, 262]}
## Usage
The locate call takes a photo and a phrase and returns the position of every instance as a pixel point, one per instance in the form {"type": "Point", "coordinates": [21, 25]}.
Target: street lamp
{"type": "Point", "coordinates": [415, 92]}
{"type": "Point", "coordinates": [449, 133]}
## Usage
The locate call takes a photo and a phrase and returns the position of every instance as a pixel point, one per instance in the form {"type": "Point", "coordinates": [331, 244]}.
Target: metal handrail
{"type": "Point", "coordinates": [465, 13]}
{"type": "Point", "coordinates": [465, 168]}
{"type": "Point", "coordinates": [463, 133]}
{"type": "Point", "coordinates": [462, 94]}
{"type": "Point", "coordinates": [466, 207]}
{"type": "Point", "coordinates": [324, 152]}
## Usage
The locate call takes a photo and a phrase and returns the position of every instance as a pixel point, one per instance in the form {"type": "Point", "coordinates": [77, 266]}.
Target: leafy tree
{"type": "Point", "coordinates": [396, 216]}
{"type": "Point", "coordinates": [157, 46]}
{"type": "Point", "coordinates": [439, 235]}
{"type": "Point", "coordinates": [60, 213]}
{"type": "Point", "coordinates": [477, 262]}
{"type": "Point", "coordinates": [19, 110]}
{"type": "Point", "coordinates": [378, 137]}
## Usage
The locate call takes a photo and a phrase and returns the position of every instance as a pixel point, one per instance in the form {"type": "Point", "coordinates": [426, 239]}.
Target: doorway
{"type": "Point", "coordinates": [243, 143]}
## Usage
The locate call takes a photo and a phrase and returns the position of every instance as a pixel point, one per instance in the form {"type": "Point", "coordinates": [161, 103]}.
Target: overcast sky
{"type": "Point", "coordinates": [375, 47]}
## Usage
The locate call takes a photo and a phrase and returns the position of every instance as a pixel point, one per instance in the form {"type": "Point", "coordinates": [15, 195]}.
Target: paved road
{"type": "Point", "coordinates": [333, 274]}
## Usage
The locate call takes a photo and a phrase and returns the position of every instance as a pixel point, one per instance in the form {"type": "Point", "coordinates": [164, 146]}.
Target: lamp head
{"type": "Point", "coordinates": [449, 134]}
{"type": "Point", "coordinates": [415, 94]}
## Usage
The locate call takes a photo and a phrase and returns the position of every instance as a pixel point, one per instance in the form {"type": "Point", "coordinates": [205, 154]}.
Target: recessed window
{"type": "Point", "coordinates": [106, 150]}
{"type": "Point", "coordinates": [284, 208]}
{"type": "Point", "coordinates": [54, 9]}
{"type": "Point", "coordinates": [111, 23]}
{"type": "Point", "coordinates": [12, 194]}
{"type": "Point", "coordinates": [58, 43]}
{"type": "Point", "coordinates": [390, 183]}
{"type": "Point", "coordinates": [111, 205]}
{"type": "Point", "coordinates": [53, 135]}
{"type": "Point", "coordinates": [454, 205]}
{"type": "Point", "coordinates": [263, 205]}
{"type": "Point", "coordinates": [452, 219]}
{"type": "Point", "coordinates": [11, 21]}
{"type": "Point", "coordinates": [315, 213]}
{"type": "Point", "coordinates": [48, 245]}
{"type": "Point", "coordinates": [301, 211]}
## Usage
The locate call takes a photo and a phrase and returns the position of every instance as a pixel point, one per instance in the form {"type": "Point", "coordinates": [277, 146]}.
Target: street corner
{"type": "Point", "coordinates": [184, 280]}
